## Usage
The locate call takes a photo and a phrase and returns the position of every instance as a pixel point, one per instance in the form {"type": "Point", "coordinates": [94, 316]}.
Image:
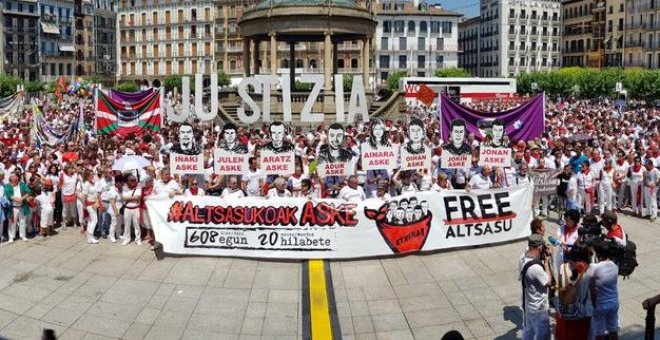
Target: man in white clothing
{"type": "Point", "coordinates": [232, 191]}
{"type": "Point", "coordinates": [352, 192]}
{"type": "Point", "coordinates": [253, 180]}
{"type": "Point", "coordinates": [651, 181]}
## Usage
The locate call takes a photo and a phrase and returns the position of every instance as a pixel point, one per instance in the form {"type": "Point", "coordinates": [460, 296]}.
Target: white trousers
{"type": "Point", "coordinates": [605, 197]}
{"type": "Point", "coordinates": [70, 211]}
{"type": "Point", "coordinates": [651, 201]}
{"type": "Point", "coordinates": [635, 190]}
{"type": "Point", "coordinates": [132, 218]}
{"type": "Point", "coordinates": [92, 220]}
{"type": "Point", "coordinates": [20, 220]}
{"type": "Point", "coordinates": [587, 202]}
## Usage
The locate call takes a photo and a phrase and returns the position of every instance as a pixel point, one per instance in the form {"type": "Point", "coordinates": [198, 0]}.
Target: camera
{"type": "Point", "coordinates": [590, 226]}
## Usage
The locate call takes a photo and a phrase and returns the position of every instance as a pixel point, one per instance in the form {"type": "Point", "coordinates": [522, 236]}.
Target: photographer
{"type": "Point", "coordinates": [536, 277]}
{"type": "Point", "coordinates": [614, 230]}
{"type": "Point", "coordinates": [604, 292]}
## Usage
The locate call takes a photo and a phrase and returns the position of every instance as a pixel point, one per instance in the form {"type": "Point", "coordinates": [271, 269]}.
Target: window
{"type": "Point", "coordinates": [446, 27]}
{"type": "Point", "coordinates": [384, 75]}
{"type": "Point", "coordinates": [421, 61]}
{"type": "Point", "coordinates": [387, 26]}
{"type": "Point", "coordinates": [439, 60]}
{"type": "Point", "coordinates": [354, 63]}
{"type": "Point", "coordinates": [399, 26]}
{"type": "Point", "coordinates": [440, 44]}
{"type": "Point", "coordinates": [384, 61]}
{"type": "Point", "coordinates": [384, 43]}
{"type": "Point", "coordinates": [411, 27]}
{"type": "Point", "coordinates": [435, 27]}
{"type": "Point", "coordinates": [511, 61]}
{"type": "Point", "coordinates": [512, 45]}
{"type": "Point", "coordinates": [403, 43]}
{"type": "Point", "coordinates": [402, 62]}
{"type": "Point", "coordinates": [423, 27]}
{"type": "Point", "coordinates": [421, 43]}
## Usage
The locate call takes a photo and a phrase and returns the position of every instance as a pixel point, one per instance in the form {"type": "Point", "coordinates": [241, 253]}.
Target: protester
{"type": "Point", "coordinates": [605, 294]}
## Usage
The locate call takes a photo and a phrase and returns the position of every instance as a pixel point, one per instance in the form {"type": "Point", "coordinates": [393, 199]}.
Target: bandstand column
{"type": "Point", "coordinates": [327, 61]}
{"type": "Point", "coordinates": [273, 54]}
{"type": "Point", "coordinates": [246, 56]}
{"type": "Point", "coordinates": [292, 65]}
{"type": "Point", "coordinates": [256, 56]}
{"type": "Point", "coordinates": [335, 53]}
{"type": "Point", "coordinates": [365, 61]}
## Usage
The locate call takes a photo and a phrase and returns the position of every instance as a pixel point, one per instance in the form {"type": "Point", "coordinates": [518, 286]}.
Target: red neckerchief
{"type": "Point", "coordinates": [527, 158]}
{"type": "Point", "coordinates": [608, 168]}
{"type": "Point", "coordinates": [585, 171]}
{"type": "Point", "coordinates": [597, 158]}
{"type": "Point", "coordinates": [194, 190]}
{"type": "Point", "coordinates": [636, 168]}
{"type": "Point", "coordinates": [620, 161]}
{"type": "Point", "coordinates": [580, 266]}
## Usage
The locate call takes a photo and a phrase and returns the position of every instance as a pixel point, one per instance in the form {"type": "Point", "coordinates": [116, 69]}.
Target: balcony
{"type": "Point", "coordinates": [634, 43]}
{"type": "Point", "coordinates": [575, 50]}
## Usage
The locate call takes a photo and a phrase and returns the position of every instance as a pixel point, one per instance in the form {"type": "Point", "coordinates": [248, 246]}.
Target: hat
{"type": "Point", "coordinates": [535, 240]}
{"type": "Point", "coordinates": [48, 182]}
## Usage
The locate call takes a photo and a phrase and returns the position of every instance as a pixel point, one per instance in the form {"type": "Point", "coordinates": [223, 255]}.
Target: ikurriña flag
{"type": "Point", "coordinates": [123, 118]}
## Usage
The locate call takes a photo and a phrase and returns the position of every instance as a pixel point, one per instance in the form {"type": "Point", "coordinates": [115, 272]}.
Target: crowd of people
{"type": "Point", "coordinates": [609, 158]}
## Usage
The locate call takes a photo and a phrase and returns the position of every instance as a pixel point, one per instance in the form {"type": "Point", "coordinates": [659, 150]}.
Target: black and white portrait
{"type": "Point", "coordinates": [415, 145]}
{"type": "Point", "coordinates": [229, 140]}
{"type": "Point", "coordinates": [277, 143]}
{"type": "Point", "coordinates": [497, 135]}
{"type": "Point", "coordinates": [334, 151]}
{"type": "Point", "coordinates": [187, 144]}
{"type": "Point", "coordinates": [378, 137]}
{"type": "Point", "coordinates": [457, 145]}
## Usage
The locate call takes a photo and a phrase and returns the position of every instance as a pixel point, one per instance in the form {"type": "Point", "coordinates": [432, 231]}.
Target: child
{"type": "Point", "coordinates": [46, 201]}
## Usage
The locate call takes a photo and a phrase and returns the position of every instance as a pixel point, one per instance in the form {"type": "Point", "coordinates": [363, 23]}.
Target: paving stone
{"type": "Point", "coordinates": [252, 326]}
{"type": "Point", "coordinates": [24, 327]}
{"type": "Point", "coordinates": [63, 316]}
{"type": "Point", "coordinates": [164, 333]}
{"type": "Point", "coordinates": [389, 322]}
{"type": "Point", "coordinates": [100, 325]}
{"type": "Point", "coordinates": [136, 331]}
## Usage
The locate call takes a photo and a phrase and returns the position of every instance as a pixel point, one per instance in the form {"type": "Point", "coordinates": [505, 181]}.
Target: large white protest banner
{"type": "Point", "coordinates": [298, 228]}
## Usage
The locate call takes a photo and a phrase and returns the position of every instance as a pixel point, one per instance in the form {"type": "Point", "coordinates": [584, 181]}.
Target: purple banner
{"type": "Point", "coordinates": [129, 97]}
{"type": "Point", "coordinates": [522, 123]}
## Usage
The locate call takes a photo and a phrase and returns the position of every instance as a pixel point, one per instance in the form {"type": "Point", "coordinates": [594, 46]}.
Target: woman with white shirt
{"type": "Point", "coordinates": [586, 188]}
{"type": "Point", "coordinates": [91, 199]}
{"type": "Point", "coordinates": [636, 180]}
{"type": "Point", "coordinates": [68, 184]}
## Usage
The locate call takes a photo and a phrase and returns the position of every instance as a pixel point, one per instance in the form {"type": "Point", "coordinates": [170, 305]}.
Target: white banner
{"type": "Point", "coordinates": [186, 164]}
{"type": "Point", "coordinates": [230, 163]}
{"type": "Point", "coordinates": [451, 161]}
{"type": "Point", "coordinates": [272, 163]}
{"type": "Point", "coordinates": [500, 157]}
{"type": "Point", "coordinates": [298, 228]}
{"type": "Point", "coordinates": [411, 161]}
{"type": "Point", "coordinates": [383, 158]}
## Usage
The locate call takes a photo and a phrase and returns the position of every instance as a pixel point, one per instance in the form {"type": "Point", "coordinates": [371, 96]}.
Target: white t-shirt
{"type": "Point", "coordinates": [480, 181]}
{"type": "Point", "coordinates": [45, 201]}
{"type": "Point", "coordinates": [69, 184]}
{"type": "Point", "coordinates": [131, 193]}
{"type": "Point", "coordinates": [252, 179]}
{"type": "Point", "coordinates": [90, 191]}
{"type": "Point", "coordinates": [536, 293]}
{"type": "Point", "coordinates": [295, 183]}
{"type": "Point", "coordinates": [352, 195]}
{"type": "Point", "coordinates": [605, 274]}
{"type": "Point", "coordinates": [161, 188]}
{"type": "Point", "coordinates": [188, 193]}
{"type": "Point", "coordinates": [571, 190]}
{"type": "Point", "coordinates": [228, 193]}
{"type": "Point", "coordinates": [273, 193]}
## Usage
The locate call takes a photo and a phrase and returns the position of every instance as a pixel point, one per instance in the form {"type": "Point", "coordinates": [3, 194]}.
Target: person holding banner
{"type": "Point", "coordinates": [279, 189]}
{"type": "Point", "coordinates": [481, 180]}
{"type": "Point", "coordinates": [621, 167]}
{"type": "Point", "coordinates": [132, 196]}
{"type": "Point", "coordinates": [352, 192]}
{"type": "Point", "coordinates": [232, 191]}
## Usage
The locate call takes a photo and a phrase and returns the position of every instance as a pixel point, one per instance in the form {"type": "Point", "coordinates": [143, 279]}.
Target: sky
{"type": "Point", "coordinates": [468, 7]}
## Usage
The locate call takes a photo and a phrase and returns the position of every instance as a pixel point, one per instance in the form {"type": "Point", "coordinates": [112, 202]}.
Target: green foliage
{"type": "Point", "coordinates": [348, 83]}
{"type": "Point", "coordinates": [592, 83]}
{"type": "Point", "coordinates": [299, 86]}
{"type": "Point", "coordinates": [223, 79]}
{"type": "Point", "coordinates": [128, 87]}
{"type": "Point", "coordinates": [34, 86]}
{"type": "Point", "coordinates": [393, 80]}
{"type": "Point", "coordinates": [172, 81]}
{"type": "Point", "coordinates": [452, 72]}
{"type": "Point", "coordinates": [8, 85]}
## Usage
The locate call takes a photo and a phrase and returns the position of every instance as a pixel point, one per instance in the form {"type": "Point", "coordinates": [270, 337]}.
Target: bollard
{"type": "Point", "coordinates": [649, 304]}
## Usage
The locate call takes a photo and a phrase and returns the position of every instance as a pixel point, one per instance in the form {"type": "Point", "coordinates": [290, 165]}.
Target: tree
{"type": "Point", "coordinates": [223, 79]}
{"type": "Point", "coordinates": [8, 85]}
{"type": "Point", "coordinates": [128, 87]}
{"type": "Point", "coordinates": [393, 80]}
{"type": "Point", "coordinates": [34, 86]}
{"type": "Point", "coordinates": [452, 72]}
{"type": "Point", "coordinates": [172, 81]}
{"type": "Point", "coordinates": [348, 82]}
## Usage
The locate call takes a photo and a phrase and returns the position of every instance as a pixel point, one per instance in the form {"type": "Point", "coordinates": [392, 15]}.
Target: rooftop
{"type": "Point", "coordinates": [281, 3]}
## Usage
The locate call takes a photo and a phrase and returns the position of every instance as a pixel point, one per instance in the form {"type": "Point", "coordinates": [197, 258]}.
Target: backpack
{"type": "Point", "coordinates": [627, 259]}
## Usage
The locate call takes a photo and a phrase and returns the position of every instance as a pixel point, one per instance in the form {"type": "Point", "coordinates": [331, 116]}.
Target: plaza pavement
{"type": "Point", "coordinates": [108, 291]}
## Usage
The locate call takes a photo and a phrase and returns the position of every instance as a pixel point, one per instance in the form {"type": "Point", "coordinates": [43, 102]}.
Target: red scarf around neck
{"type": "Point", "coordinates": [194, 190]}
